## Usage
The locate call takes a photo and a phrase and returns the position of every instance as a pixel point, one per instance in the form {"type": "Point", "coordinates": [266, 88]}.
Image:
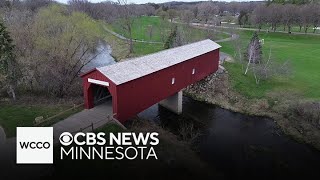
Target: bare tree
{"type": "Point", "coordinates": [187, 16]}
{"type": "Point", "coordinates": [274, 15]}
{"type": "Point", "coordinates": [305, 17]}
{"type": "Point", "coordinates": [259, 16]}
{"type": "Point", "coordinates": [315, 18]}
{"type": "Point", "coordinates": [289, 12]}
{"type": "Point", "coordinates": [150, 31]}
{"type": "Point", "coordinates": [34, 5]}
{"type": "Point", "coordinates": [254, 53]}
{"type": "Point", "coordinates": [207, 10]}
{"type": "Point", "coordinates": [172, 14]}
{"type": "Point", "coordinates": [127, 17]}
{"type": "Point", "coordinates": [163, 14]}
{"type": "Point", "coordinates": [263, 68]}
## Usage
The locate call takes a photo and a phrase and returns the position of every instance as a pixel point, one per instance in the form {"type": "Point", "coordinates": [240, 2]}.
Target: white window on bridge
{"type": "Point", "coordinates": [173, 80]}
{"type": "Point", "coordinates": [193, 71]}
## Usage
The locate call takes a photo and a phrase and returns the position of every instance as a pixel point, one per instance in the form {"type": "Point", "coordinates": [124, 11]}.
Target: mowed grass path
{"type": "Point", "coordinates": [303, 51]}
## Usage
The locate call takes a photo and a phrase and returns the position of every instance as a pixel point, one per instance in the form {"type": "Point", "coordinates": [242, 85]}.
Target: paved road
{"type": "Point", "coordinates": [2, 136]}
{"type": "Point", "coordinates": [10, 170]}
{"type": "Point", "coordinates": [98, 116]}
{"type": "Point", "coordinates": [226, 57]}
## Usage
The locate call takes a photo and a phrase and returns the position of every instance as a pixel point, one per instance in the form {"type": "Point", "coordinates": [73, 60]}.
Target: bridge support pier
{"type": "Point", "coordinates": [173, 103]}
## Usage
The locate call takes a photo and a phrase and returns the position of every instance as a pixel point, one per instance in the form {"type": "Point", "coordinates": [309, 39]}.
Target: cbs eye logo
{"type": "Point", "coordinates": [66, 138]}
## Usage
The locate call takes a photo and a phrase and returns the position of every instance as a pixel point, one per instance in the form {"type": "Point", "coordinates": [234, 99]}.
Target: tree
{"type": "Point", "coordinates": [263, 68]}
{"type": "Point", "coordinates": [52, 48]}
{"type": "Point", "coordinates": [35, 5]}
{"type": "Point", "coordinates": [305, 17]}
{"type": "Point", "coordinates": [315, 18]}
{"type": "Point", "coordinates": [171, 38]}
{"type": "Point", "coordinates": [274, 15]}
{"type": "Point", "coordinates": [206, 10]}
{"type": "Point", "coordinates": [127, 17]}
{"type": "Point", "coordinates": [175, 38]}
{"type": "Point", "coordinates": [254, 52]}
{"type": "Point", "coordinates": [8, 76]}
{"type": "Point", "coordinates": [163, 14]}
{"type": "Point", "coordinates": [259, 16]}
{"type": "Point", "coordinates": [172, 14]}
{"type": "Point", "coordinates": [290, 1]}
{"type": "Point", "coordinates": [187, 16]}
{"type": "Point", "coordinates": [243, 18]}
{"type": "Point", "coordinates": [289, 12]}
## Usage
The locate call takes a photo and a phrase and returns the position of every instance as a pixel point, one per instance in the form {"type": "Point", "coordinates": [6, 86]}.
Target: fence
{"type": "Point", "coordinates": [57, 115]}
{"type": "Point", "coordinates": [91, 127]}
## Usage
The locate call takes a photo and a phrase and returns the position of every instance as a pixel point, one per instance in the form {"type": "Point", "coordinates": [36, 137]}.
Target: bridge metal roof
{"type": "Point", "coordinates": [125, 71]}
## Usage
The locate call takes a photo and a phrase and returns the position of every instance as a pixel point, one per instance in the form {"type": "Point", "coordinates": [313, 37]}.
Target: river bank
{"type": "Point", "coordinates": [217, 90]}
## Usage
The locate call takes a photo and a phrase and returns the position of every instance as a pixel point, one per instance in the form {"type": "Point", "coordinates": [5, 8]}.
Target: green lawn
{"type": "Point", "coordinates": [12, 116]}
{"type": "Point", "coordinates": [161, 29]}
{"type": "Point", "coordinates": [303, 51]}
{"type": "Point", "coordinates": [144, 48]}
{"type": "Point", "coordinates": [109, 128]}
{"type": "Point", "coordinates": [280, 27]}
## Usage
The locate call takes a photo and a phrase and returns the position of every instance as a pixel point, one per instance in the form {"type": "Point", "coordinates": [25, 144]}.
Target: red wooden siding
{"type": "Point", "coordinates": [134, 96]}
{"type": "Point", "coordinates": [139, 94]}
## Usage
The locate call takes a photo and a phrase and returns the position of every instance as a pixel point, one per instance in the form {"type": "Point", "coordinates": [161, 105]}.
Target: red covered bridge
{"type": "Point", "coordinates": [136, 84]}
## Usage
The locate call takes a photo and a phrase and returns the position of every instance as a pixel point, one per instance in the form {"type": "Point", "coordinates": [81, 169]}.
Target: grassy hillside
{"type": "Point", "coordinates": [303, 51]}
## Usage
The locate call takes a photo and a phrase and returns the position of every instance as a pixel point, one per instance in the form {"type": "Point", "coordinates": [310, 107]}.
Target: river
{"type": "Point", "coordinates": [239, 145]}
{"type": "Point", "coordinates": [236, 144]}
{"type": "Point", "coordinates": [103, 58]}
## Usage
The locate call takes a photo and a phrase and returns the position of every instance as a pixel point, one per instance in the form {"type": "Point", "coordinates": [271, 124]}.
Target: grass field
{"type": "Point", "coordinates": [281, 28]}
{"type": "Point", "coordinates": [12, 116]}
{"type": "Point", "coordinates": [161, 29]}
{"type": "Point", "coordinates": [303, 51]}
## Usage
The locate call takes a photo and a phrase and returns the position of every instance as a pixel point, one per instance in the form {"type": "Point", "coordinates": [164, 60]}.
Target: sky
{"type": "Point", "coordinates": [157, 1]}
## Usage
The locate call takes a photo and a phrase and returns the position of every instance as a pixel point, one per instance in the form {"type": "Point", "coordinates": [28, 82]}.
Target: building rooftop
{"type": "Point", "coordinates": [125, 71]}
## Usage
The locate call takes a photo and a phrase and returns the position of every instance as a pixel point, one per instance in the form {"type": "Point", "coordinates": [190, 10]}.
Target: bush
{"type": "Point", "coordinates": [307, 111]}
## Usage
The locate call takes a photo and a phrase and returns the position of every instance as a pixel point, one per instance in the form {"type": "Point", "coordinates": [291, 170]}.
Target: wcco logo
{"type": "Point", "coordinates": [34, 145]}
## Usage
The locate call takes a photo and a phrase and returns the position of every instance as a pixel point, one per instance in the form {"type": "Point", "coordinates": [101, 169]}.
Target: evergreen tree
{"type": "Point", "coordinates": [7, 61]}
{"type": "Point", "coordinates": [6, 49]}
{"type": "Point", "coordinates": [253, 54]}
{"type": "Point", "coordinates": [171, 38]}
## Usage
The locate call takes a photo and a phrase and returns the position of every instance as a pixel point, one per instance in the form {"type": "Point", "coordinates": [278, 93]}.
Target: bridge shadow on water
{"type": "Point", "coordinates": [237, 145]}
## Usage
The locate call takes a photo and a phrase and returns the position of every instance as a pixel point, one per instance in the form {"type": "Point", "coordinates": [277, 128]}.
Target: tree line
{"type": "Point", "coordinates": [290, 1]}
{"type": "Point", "coordinates": [305, 16]}
{"type": "Point", "coordinates": [45, 45]}
{"type": "Point", "coordinates": [50, 43]}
